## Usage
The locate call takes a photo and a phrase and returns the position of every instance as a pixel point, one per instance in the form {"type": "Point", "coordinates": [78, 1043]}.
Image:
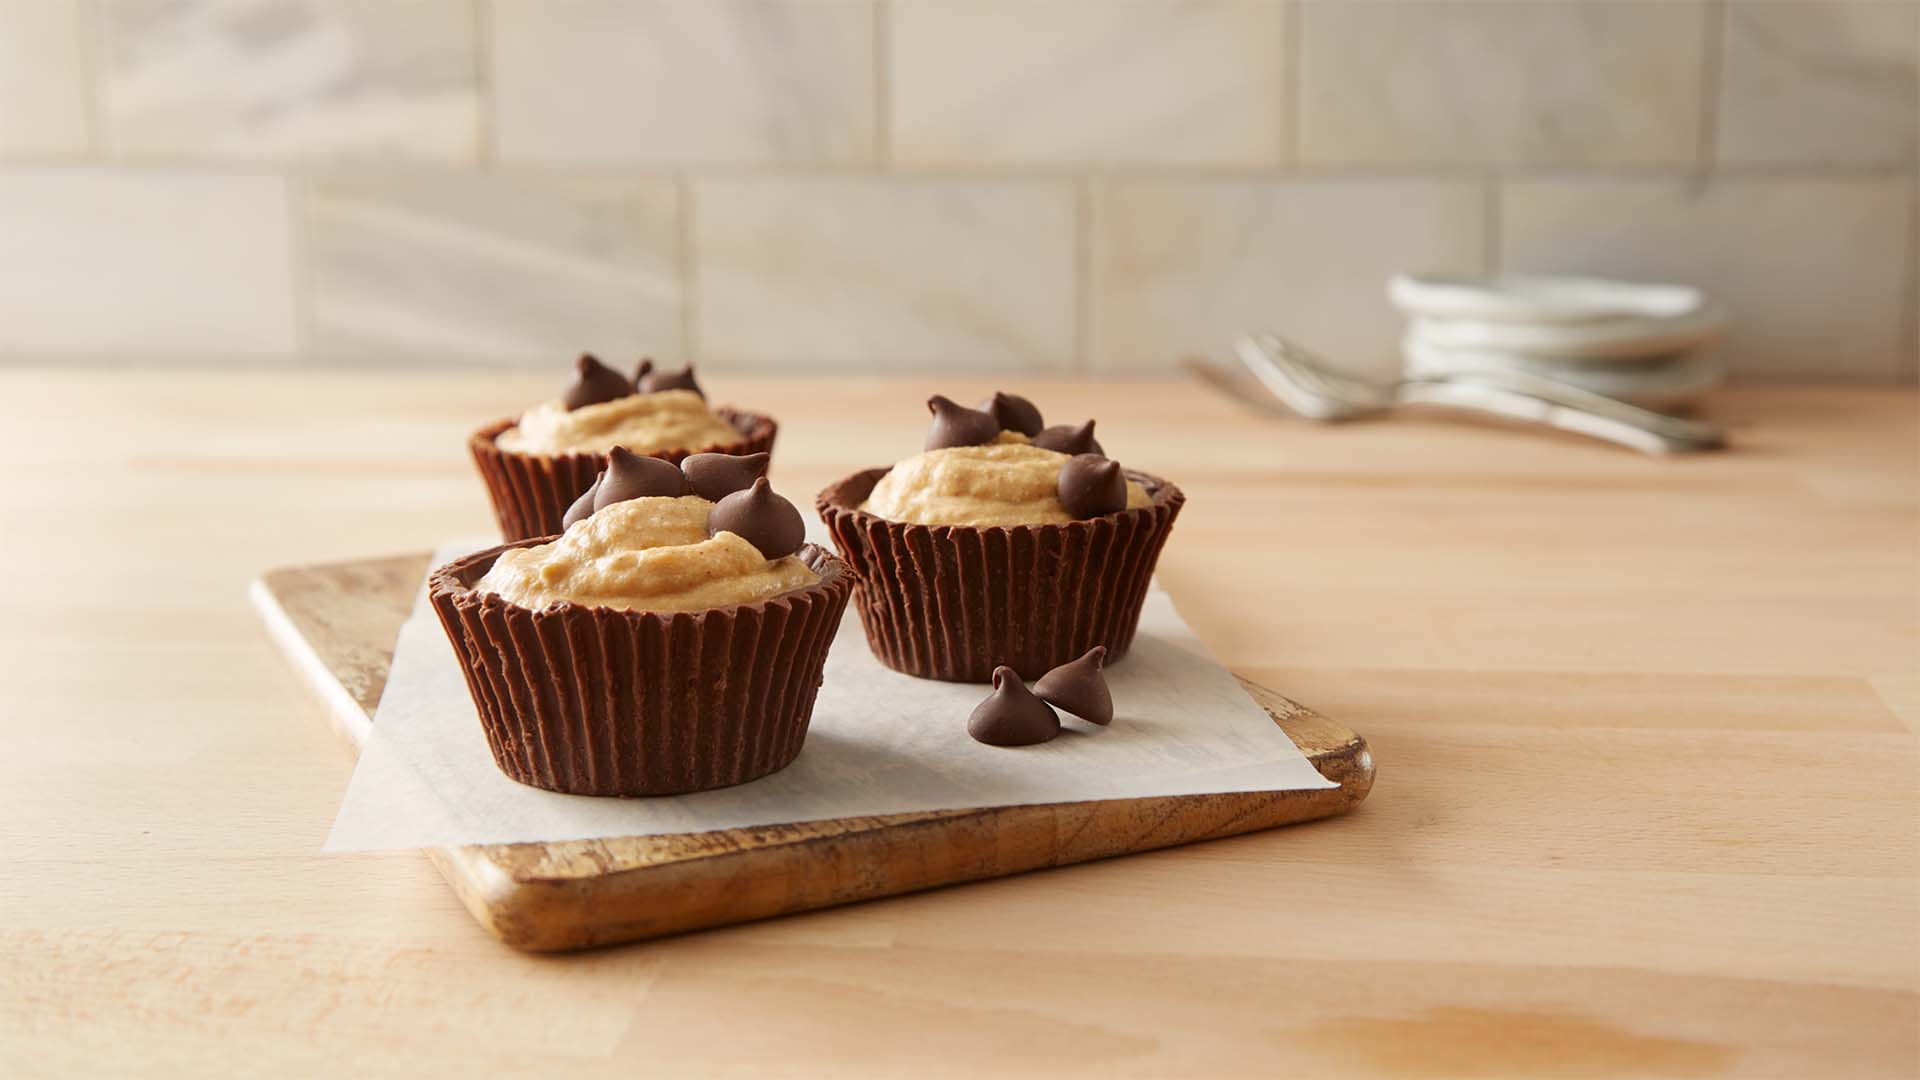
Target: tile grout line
{"type": "Point", "coordinates": [1494, 230]}
{"type": "Point", "coordinates": [1082, 276]}
{"type": "Point", "coordinates": [1290, 52]}
{"type": "Point", "coordinates": [90, 23]}
{"type": "Point", "coordinates": [1712, 65]}
{"type": "Point", "coordinates": [689, 275]}
{"type": "Point", "coordinates": [486, 145]}
{"type": "Point", "coordinates": [1909, 370]}
{"type": "Point", "coordinates": [241, 166]}
{"type": "Point", "coordinates": [882, 28]}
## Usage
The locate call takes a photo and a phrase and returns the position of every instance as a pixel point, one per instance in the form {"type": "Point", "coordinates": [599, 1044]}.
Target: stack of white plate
{"type": "Point", "coordinates": [1648, 344]}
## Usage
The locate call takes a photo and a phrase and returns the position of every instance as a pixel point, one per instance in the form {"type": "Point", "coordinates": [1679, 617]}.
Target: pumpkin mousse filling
{"type": "Point", "coordinates": [642, 539]}
{"type": "Point", "coordinates": [643, 423]}
{"type": "Point", "coordinates": [1007, 482]}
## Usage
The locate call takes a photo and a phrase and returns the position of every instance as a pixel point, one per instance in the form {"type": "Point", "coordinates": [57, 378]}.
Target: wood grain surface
{"type": "Point", "coordinates": [1651, 805]}
{"type": "Point", "coordinates": [331, 619]}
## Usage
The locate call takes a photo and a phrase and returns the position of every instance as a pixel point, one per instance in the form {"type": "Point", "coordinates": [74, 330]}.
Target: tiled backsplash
{"type": "Point", "coordinates": [909, 184]}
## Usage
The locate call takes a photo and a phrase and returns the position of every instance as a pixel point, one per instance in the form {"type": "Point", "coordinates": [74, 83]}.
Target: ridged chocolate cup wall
{"type": "Point", "coordinates": [954, 601]}
{"type": "Point", "coordinates": [592, 701]}
{"type": "Point", "coordinates": [531, 492]}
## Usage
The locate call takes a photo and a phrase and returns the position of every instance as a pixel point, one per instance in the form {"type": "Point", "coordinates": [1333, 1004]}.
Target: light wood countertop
{"type": "Point", "coordinates": [1645, 733]}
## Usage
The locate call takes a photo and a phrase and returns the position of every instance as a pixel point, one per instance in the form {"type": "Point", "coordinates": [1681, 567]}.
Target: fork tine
{"type": "Point", "coordinates": [1291, 383]}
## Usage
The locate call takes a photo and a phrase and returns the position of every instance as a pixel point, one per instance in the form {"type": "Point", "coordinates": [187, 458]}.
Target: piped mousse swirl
{"type": "Point", "coordinates": [603, 409]}
{"type": "Point", "coordinates": [650, 544]}
{"type": "Point", "coordinates": [977, 472]}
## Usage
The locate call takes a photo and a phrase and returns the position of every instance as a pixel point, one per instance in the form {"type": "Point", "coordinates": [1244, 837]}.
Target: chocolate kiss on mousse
{"type": "Point", "coordinates": [1012, 716]}
{"type": "Point", "coordinates": [594, 383]}
{"type": "Point", "coordinates": [628, 476]}
{"type": "Point", "coordinates": [1091, 485]}
{"type": "Point", "coordinates": [1079, 687]}
{"type": "Point", "coordinates": [761, 518]}
{"type": "Point", "coordinates": [583, 506]}
{"type": "Point", "coordinates": [631, 476]}
{"type": "Point", "coordinates": [716, 476]}
{"type": "Point", "coordinates": [1068, 439]}
{"type": "Point", "coordinates": [1013, 413]}
{"type": "Point", "coordinates": [640, 373]}
{"type": "Point", "coordinates": [956, 425]}
{"type": "Point", "coordinates": [653, 382]}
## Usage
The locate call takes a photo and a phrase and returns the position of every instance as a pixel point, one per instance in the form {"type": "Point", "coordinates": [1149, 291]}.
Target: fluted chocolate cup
{"type": "Point", "coordinates": [955, 601]}
{"type": "Point", "coordinates": [596, 701]}
{"type": "Point", "coordinates": [531, 492]}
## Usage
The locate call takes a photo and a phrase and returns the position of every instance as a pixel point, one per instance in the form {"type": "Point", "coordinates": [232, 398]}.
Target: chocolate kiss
{"type": "Point", "coordinates": [594, 383]}
{"type": "Point", "coordinates": [761, 518]}
{"type": "Point", "coordinates": [583, 506]}
{"type": "Point", "coordinates": [1013, 413]}
{"type": "Point", "coordinates": [1012, 716]}
{"type": "Point", "coordinates": [956, 425]}
{"type": "Point", "coordinates": [1069, 439]}
{"type": "Point", "coordinates": [716, 476]}
{"type": "Point", "coordinates": [652, 382]}
{"type": "Point", "coordinates": [640, 373]}
{"type": "Point", "coordinates": [1091, 485]}
{"type": "Point", "coordinates": [630, 476]}
{"type": "Point", "coordinates": [1078, 687]}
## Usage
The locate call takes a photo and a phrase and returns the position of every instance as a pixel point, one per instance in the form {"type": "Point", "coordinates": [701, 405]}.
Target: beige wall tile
{"type": "Point", "coordinates": [1184, 267]}
{"type": "Point", "coordinates": [1813, 83]}
{"type": "Point", "coordinates": [502, 269]}
{"type": "Point", "coordinates": [152, 264]}
{"type": "Point", "coordinates": [43, 98]}
{"type": "Point", "coordinates": [1440, 82]}
{"type": "Point", "coordinates": [291, 79]}
{"type": "Point", "coordinates": [885, 274]}
{"type": "Point", "coordinates": [1815, 270]}
{"type": "Point", "coordinates": [994, 82]}
{"type": "Point", "coordinates": [684, 81]}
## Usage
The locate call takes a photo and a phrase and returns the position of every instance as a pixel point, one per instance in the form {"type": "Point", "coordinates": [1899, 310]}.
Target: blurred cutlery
{"type": "Point", "coordinates": [1311, 388]}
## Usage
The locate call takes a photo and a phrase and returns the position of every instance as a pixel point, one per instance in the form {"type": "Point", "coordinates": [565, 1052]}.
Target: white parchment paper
{"type": "Point", "coordinates": [880, 743]}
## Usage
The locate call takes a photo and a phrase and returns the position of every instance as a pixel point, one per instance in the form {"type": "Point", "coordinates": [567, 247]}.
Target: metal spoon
{"type": "Point", "coordinates": [1311, 388]}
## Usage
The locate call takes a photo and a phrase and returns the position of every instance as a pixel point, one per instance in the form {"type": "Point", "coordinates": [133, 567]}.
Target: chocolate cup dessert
{"type": "Point", "coordinates": [598, 701]}
{"type": "Point", "coordinates": [953, 602]}
{"type": "Point", "coordinates": [531, 492]}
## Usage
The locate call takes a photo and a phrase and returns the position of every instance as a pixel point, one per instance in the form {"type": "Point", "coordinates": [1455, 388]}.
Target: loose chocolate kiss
{"type": "Point", "coordinates": [1013, 413]}
{"type": "Point", "coordinates": [1078, 687]}
{"type": "Point", "coordinates": [956, 425]}
{"type": "Point", "coordinates": [653, 382]}
{"type": "Point", "coordinates": [716, 476]}
{"type": "Point", "coordinates": [761, 518]}
{"type": "Point", "coordinates": [640, 373]}
{"type": "Point", "coordinates": [1068, 439]}
{"type": "Point", "coordinates": [1091, 485]}
{"type": "Point", "coordinates": [594, 383]}
{"type": "Point", "coordinates": [1012, 716]}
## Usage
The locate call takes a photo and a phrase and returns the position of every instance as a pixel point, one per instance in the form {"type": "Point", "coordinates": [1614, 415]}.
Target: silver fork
{"type": "Point", "coordinates": [1311, 388]}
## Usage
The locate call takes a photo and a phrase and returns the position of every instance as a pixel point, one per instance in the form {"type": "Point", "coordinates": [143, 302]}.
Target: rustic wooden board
{"type": "Point", "coordinates": [337, 623]}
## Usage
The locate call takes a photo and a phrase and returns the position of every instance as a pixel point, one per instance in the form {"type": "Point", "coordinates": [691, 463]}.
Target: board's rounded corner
{"type": "Point", "coordinates": [516, 910]}
{"type": "Point", "coordinates": [1356, 769]}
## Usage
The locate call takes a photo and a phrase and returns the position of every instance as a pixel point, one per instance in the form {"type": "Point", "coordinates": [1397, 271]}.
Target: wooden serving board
{"type": "Point", "coordinates": [337, 623]}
